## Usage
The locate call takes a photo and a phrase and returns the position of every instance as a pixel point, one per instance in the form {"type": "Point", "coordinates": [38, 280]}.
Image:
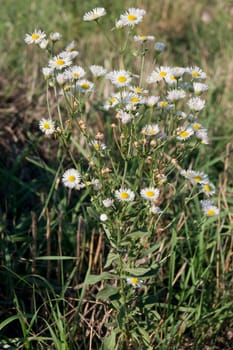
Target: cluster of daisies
{"type": "Point", "coordinates": [177, 86]}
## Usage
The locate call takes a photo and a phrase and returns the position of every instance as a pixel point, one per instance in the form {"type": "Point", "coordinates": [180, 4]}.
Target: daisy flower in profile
{"type": "Point", "coordinates": [151, 129]}
{"type": "Point", "coordinates": [202, 135]}
{"type": "Point", "coordinates": [94, 14]}
{"type": "Point", "coordinates": [84, 85]}
{"type": "Point", "coordinates": [71, 46]}
{"type": "Point", "coordinates": [124, 116]}
{"type": "Point", "coordinates": [47, 72]}
{"type": "Point", "coordinates": [131, 17]}
{"type": "Point", "coordinates": [198, 88]}
{"type": "Point", "coordinates": [133, 98]}
{"type": "Point", "coordinates": [155, 210]}
{"type": "Point", "coordinates": [124, 195]}
{"type": "Point", "coordinates": [108, 202]}
{"type": "Point", "coordinates": [47, 126]}
{"type": "Point", "coordinates": [71, 178]}
{"type": "Point", "coordinates": [60, 61]}
{"type": "Point", "coordinates": [134, 281]}
{"type": "Point", "coordinates": [149, 193]}
{"type": "Point", "coordinates": [175, 95]}
{"type": "Point", "coordinates": [98, 71]}
{"type": "Point", "coordinates": [35, 37]}
{"type": "Point", "coordinates": [196, 104]}
{"type": "Point", "coordinates": [151, 101]}
{"type": "Point", "coordinates": [119, 78]}
{"type": "Point", "coordinates": [184, 133]}
{"type": "Point", "coordinates": [208, 189]}
{"type": "Point", "coordinates": [178, 72]}
{"type": "Point", "coordinates": [55, 36]}
{"type": "Point", "coordinates": [143, 38]}
{"type": "Point", "coordinates": [138, 90]}
{"type": "Point", "coordinates": [196, 72]}
{"type": "Point", "coordinates": [208, 208]}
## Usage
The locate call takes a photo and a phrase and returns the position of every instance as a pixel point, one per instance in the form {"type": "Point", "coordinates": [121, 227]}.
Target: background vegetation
{"type": "Point", "coordinates": [51, 295]}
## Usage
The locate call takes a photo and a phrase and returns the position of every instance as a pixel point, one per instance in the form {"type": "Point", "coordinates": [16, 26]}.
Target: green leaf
{"type": "Point", "coordinates": [108, 291]}
{"type": "Point", "coordinates": [109, 342]}
{"type": "Point", "coordinates": [138, 271]}
{"type": "Point", "coordinates": [136, 235]}
{"type": "Point", "coordinates": [111, 257]}
{"type": "Point", "coordinates": [8, 320]}
{"type": "Point", "coordinates": [93, 279]}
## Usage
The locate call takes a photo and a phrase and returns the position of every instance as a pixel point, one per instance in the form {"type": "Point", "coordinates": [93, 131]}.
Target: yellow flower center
{"type": "Point", "coordinates": [211, 212]}
{"type": "Point", "coordinates": [71, 178]}
{"type": "Point", "coordinates": [46, 126]}
{"type": "Point", "coordinates": [35, 36]}
{"type": "Point", "coordinates": [97, 146]}
{"type": "Point", "coordinates": [195, 74]}
{"type": "Point", "coordinates": [132, 17]}
{"type": "Point", "coordinates": [124, 195]}
{"type": "Point", "coordinates": [121, 79]}
{"type": "Point", "coordinates": [112, 100]}
{"type": "Point", "coordinates": [134, 99]}
{"type": "Point", "coordinates": [207, 188]}
{"type": "Point", "coordinates": [163, 73]}
{"type": "Point", "coordinates": [88, 183]}
{"type": "Point", "coordinates": [197, 178]}
{"type": "Point", "coordinates": [138, 90]}
{"type": "Point", "coordinates": [143, 37]}
{"type": "Point", "coordinates": [184, 133]}
{"type": "Point", "coordinates": [60, 61]}
{"type": "Point", "coordinates": [150, 193]}
{"type": "Point", "coordinates": [134, 280]}
{"type": "Point", "coordinates": [163, 104]}
{"type": "Point", "coordinates": [75, 75]}
{"type": "Point", "coordinates": [196, 126]}
{"type": "Point", "coordinates": [85, 86]}
{"type": "Point", "coordinates": [172, 77]}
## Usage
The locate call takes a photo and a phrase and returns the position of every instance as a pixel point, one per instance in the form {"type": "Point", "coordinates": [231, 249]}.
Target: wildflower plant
{"type": "Point", "coordinates": [136, 173]}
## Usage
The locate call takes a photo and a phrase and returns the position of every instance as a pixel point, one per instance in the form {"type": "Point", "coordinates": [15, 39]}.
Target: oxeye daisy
{"type": "Point", "coordinates": [196, 72]}
{"type": "Point", "coordinates": [171, 80]}
{"type": "Point", "coordinates": [119, 78]}
{"type": "Point", "coordinates": [124, 116]}
{"type": "Point", "coordinates": [196, 126]}
{"type": "Point", "coordinates": [177, 72]}
{"type": "Point", "coordinates": [47, 126]}
{"type": "Point", "coordinates": [159, 74]}
{"type": "Point", "coordinates": [134, 281]}
{"type": "Point", "coordinates": [124, 195]}
{"type": "Point", "coordinates": [94, 14]}
{"type": "Point", "coordinates": [60, 61]}
{"type": "Point", "coordinates": [163, 104]}
{"type": "Point", "coordinates": [133, 98]}
{"type": "Point", "coordinates": [198, 88]}
{"type": "Point", "coordinates": [98, 146]}
{"type": "Point", "coordinates": [202, 135]}
{"type": "Point", "coordinates": [71, 46]}
{"type": "Point", "coordinates": [75, 72]}
{"type": "Point", "coordinates": [98, 71]}
{"type": "Point", "coordinates": [198, 177]}
{"type": "Point", "coordinates": [175, 95]}
{"type": "Point", "coordinates": [138, 90]}
{"type": "Point", "coordinates": [155, 210]}
{"type": "Point", "coordinates": [149, 193]}
{"type": "Point", "coordinates": [208, 188]}
{"type": "Point", "coordinates": [132, 16]}
{"type": "Point", "coordinates": [143, 38]}
{"type": "Point", "coordinates": [84, 85]}
{"type": "Point", "coordinates": [196, 104]}
{"type": "Point", "coordinates": [47, 72]}
{"type": "Point", "coordinates": [55, 36]}
{"type": "Point", "coordinates": [35, 37]}
{"type": "Point", "coordinates": [184, 133]}
{"type": "Point", "coordinates": [108, 202]}
{"type": "Point", "coordinates": [151, 129]}
{"type": "Point", "coordinates": [71, 178]}
{"type": "Point", "coordinates": [151, 101]}
{"type": "Point", "coordinates": [208, 208]}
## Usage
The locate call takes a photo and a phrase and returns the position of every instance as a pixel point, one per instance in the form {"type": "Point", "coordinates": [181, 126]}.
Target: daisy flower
{"type": "Point", "coordinates": [178, 71]}
{"type": "Point", "coordinates": [196, 104]}
{"type": "Point", "coordinates": [60, 61]}
{"type": "Point", "coordinates": [84, 85]}
{"type": "Point", "coordinates": [94, 14]}
{"type": "Point", "coordinates": [208, 208]}
{"type": "Point", "coordinates": [196, 72]}
{"type": "Point", "coordinates": [171, 80]}
{"type": "Point", "coordinates": [34, 38]}
{"type": "Point", "coordinates": [195, 176]}
{"type": "Point", "coordinates": [151, 101]}
{"type": "Point", "coordinates": [149, 193]}
{"type": "Point", "coordinates": [163, 104]}
{"type": "Point", "coordinates": [175, 95]}
{"type": "Point", "coordinates": [43, 44]}
{"type": "Point", "coordinates": [158, 74]}
{"type": "Point", "coordinates": [124, 195]}
{"type": "Point", "coordinates": [134, 281]}
{"type": "Point", "coordinates": [103, 217]}
{"type": "Point", "coordinates": [198, 88]}
{"type": "Point", "coordinates": [133, 98]}
{"type": "Point", "coordinates": [47, 72]}
{"type": "Point", "coordinates": [47, 126]}
{"type": "Point", "coordinates": [196, 126]}
{"type": "Point", "coordinates": [202, 135]}
{"type": "Point", "coordinates": [138, 90]}
{"type": "Point", "coordinates": [143, 38]}
{"type": "Point", "coordinates": [71, 178]}
{"type": "Point", "coordinates": [119, 78]}
{"type": "Point", "coordinates": [55, 36]}
{"type": "Point", "coordinates": [151, 129]}
{"type": "Point", "coordinates": [124, 116]}
{"type": "Point", "coordinates": [71, 46]}
{"type": "Point", "coordinates": [208, 189]}
{"type": "Point", "coordinates": [98, 71]}
{"type": "Point", "coordinates": [75, 72]}
{"type": "Point", "coordinates": [131, 17]}
{"type": "Point", "coordinates": [155, 210]}
{"type": "Point", "coordinates": [108, 202]}
{"type": "Point", "coordinates": [184, 134]}
{"type": "Point", "coordinates": [98, 146]}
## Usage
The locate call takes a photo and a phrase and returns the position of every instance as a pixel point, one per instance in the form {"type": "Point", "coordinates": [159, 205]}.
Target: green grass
{"type": "Point", "coordinates": [58, 269]}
